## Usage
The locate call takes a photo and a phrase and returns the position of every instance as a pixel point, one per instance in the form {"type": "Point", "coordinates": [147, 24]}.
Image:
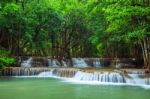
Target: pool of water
{"type": "Point", "coordinates": [53, 88]}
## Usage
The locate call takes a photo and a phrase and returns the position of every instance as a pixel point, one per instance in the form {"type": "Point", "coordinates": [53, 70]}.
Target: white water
{"type": "Point", "coordinates": [110, 78]}
{"type": "Point", "coordinates": [46, 74]}
{"type": "Point", "coordinates": [27, 63]}
{"type": "Point", "coordinates": [105, 78]}
{"type": "Point", "coordinates": [138, 79]}
{"type": "Point", "coordinates": [100, 77]}
{"type": "Point", "coordinates": [87, 62]}
{"type": "Point", "coordinates": [97, 63]}
{"type": "Point", "coordinates": [79, 62]}
{"type": "Point", "coordinates": [64, 63]}
{"type": "Point", "coordinates": [53, 63]}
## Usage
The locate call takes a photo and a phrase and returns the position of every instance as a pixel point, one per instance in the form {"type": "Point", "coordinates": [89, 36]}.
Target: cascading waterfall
{"type": "Point", "coordinates": [79, 62]}
{"type": "Point", "coordinates": [64, 63]}
{"type": "Point", "coordinates": [138, 79]}
{"type": "Point", "coordinates": [59, 72]}
{"type": "Point", "coordinates": [112, 77]}
{"type": "Point", "coordinates": [90, 62]}
{"type": "Point", "coordinates": [16, 71]}
{"type": "Point", "coordinates": [99, 77]}
{"type": "Point", "coordinates": [46, 74]}
{"type": "Point", "coordinates": [97, 63]}
{"type": "Point", "coordinates": [78, 75]}
{"type": "Point", "coordinates": [40, 71]}
{"type": "Point", "coordinates": [53, 63]}
{"type": "Point", "coordinates": [37, 61]}
{"type": "Point", "coordinates": [27, 63]}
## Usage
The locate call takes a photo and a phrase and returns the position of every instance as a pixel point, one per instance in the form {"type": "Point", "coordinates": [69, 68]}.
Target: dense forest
{"type": "Point", "coordinates": [75, 28]}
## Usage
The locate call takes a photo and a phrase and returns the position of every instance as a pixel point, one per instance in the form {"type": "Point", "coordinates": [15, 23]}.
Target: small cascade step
{"type": "Point", "coordinates": [100, 77]}
{"type": "Point", "coordinates": [16, 71]}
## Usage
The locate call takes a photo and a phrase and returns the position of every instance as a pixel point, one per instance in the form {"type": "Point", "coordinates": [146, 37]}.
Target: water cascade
{"type": "Point", "coordinates": [27, 63]}
{"type": "Point", "coordinates": [46, 74]}
{"type": "Point", "coordinates": [112, 77]}
{"type": "Point", "coordinates": [16, 71]}
{"type": "Point", "coordinates": [97, 63]}
{"type": "Point", "coordinates": [79, 62]}
{"type": "Point", "coordinates": [138, 79]}
{"type": "Point", "coordinates": [91, 62]}
{"type": "Point", "coordinates": [39, 71]}
{"type": "Point", "coordinates": [53, 63]}
{"type": "Point", "coordinates": [100, 77]}
{"type": "Point", "coordinates": [64, 63]}
{"type": "Point", "coordinates": [79, 75]}
{"type": "Point", "coordinates": [40, 62]}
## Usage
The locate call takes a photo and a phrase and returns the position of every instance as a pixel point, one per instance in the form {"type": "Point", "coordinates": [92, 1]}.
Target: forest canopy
{"type": "Point", "coordinates": [76, 28]}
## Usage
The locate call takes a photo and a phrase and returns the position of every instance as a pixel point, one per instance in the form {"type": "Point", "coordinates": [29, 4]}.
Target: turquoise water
{"type": "Point", "coordinates": [50, 88]}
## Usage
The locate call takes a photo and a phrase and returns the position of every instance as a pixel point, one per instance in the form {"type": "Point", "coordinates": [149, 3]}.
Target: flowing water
{"type": "Point", "coordinates": [27, 63]}
{"type": "Point", "coordinates": [53, 63]}
{"type": "Point", "coordinates": [79, 62]}
{"type": "Point", "coordinates": [52, 88]}
{"type": "Point", "coordinates": [137, 78]}
{"type": "Point", "coordinates": [74, 62]}
{"type": "Point", "coordinates": [53, 82]}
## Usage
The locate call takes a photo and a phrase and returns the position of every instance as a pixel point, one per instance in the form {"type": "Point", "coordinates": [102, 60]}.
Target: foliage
{"type": "Point", "coordinates": [69, 28]}
{"type": "Point", "coordinates": [5, 60]}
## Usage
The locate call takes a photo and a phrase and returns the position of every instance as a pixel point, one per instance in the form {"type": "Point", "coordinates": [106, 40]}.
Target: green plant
{"type": "Point", "coordinates": [5, 59]}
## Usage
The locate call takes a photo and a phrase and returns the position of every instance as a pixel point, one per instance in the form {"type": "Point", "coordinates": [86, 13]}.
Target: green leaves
{"type": "Point", "coordinates": [10, 9]}
{"type": "Point", "coordinates": [124, 23]}
{"type": "Point", "coordinates": [35, 26]}
{"type": "Point", "coordinates": [5, 59]}
{"type": "Point", "coordinates": [119, 18]}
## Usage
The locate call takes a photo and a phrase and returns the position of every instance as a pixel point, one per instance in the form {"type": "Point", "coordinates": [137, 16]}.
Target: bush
{"type": "Point", "coordinates": [5, 59]}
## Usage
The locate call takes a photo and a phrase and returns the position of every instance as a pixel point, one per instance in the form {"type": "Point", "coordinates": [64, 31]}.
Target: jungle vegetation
{"type": "Point", "coordinates": [75, 28]}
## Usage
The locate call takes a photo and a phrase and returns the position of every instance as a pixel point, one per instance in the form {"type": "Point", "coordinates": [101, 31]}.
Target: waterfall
{"type": "Point", "coordinates": [90, 62]}
{"type": "Point", "coordinates": [64, 63]}
{"type": "Point", "coordinates": [46, 74]}
{"type": "Point", "coordinates": [53, 63]}
{"type": "Point", "coordinates": [97, 63]}
{"type": "Point", "coordinates": [79, 62]}
{"type": "Point", "coordinates": [27, 63]}
{"type": "Point", "coordinates": [111, 77]}
{"type": "Point", "coordinates": [58, 72]}
{"type": "Point", "coordinates": [39, 72]}
{"type": "Point", "coordinates": [82, 75]}
{"type": "Point", "coordinates": [137, 79]}
{"type": "Point", "coordinates": [14, 71]}
{"type": "Point", "coordinates": [33, 62]}
{"type": "Point", "coordinates": [100, 77]}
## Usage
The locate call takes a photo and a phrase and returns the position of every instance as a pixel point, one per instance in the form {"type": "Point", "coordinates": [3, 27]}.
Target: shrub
{"type": "Point", "coordinates": [5, 59]}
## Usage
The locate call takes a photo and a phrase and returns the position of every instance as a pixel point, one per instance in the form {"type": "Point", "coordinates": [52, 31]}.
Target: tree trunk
{"type": "Point", "coordinates": [145, 45]}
